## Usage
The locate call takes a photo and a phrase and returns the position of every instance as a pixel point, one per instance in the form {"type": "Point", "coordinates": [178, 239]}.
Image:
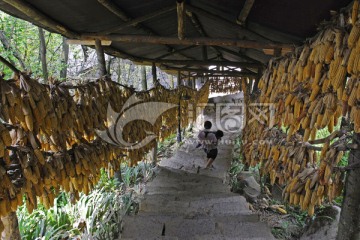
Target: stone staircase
{"type": "Point", "coordinates": [186, 201]}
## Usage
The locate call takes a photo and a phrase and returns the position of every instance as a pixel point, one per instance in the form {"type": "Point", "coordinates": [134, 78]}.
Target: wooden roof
{"type": "Point", "coordinates": [183, 34]}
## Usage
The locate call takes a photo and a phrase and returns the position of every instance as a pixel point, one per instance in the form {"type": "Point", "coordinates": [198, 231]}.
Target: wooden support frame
{"type": "Point", "coordinates": [207, 63]}
{"type": "Point", "coordinates": [114, 9]}
{"type": "Point", "coordinates": [198, 26]}
{"type": "Point", "coordinates": [240, 29]}
{"type": "Point", "coordinates": [207, 71]}
{"type": "Point", "coordinates": [237, 54]}
{"type": "Point", "coordinates": [87, 42]}
{"type": "Point", "coordinates": [100, 58]}
{"type": "Point", "coordinates": [125, 17]}
{"type": "Point", "coordinates": [189, 41]}
{"type": "Point", "coordinates": [180, 17]}
{"type": "Point", "coordinates": [136, 21]}
{"type": "Point", "coordinates": [176, 51]}
{"type": "Point", "coordinates": [244, 13]}
{"type": "Point", "coordinates": [46, 21]}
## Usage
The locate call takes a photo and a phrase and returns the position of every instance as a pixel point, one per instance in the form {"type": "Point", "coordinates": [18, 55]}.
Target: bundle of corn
{"type": "Point", "coordinates": [311, 88]}
{"type": "Point", "coordinates": [49, 141]}
{"type": "Point", "coordinates": [226, 84]}
{"type": "Point", "coordinates": [41, 174]}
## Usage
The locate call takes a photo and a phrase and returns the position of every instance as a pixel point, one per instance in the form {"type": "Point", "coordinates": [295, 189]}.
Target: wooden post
{"type": "Point", "coordinates": [172, 81]}
{"type": "Point", "coordinates": [180, 15]}
{"type": "Point", "coordinates": [154, 152]}
{"type": "Point", "coordinates": [349, 224]}
{"type": "Point", "coordinates": [204, 53]}
{"type": "Point", "coordinates": [179, 79]}
{"type": "Point", "coordinates": [101, 59]}
{"type": "Point", "coordinates": [257, 79]}
{"type": "Point", "coordinates": [11, 227]}
{"type": "Point", "coordinates": [143, 78]}
{"type": "Point", "coordinates": [154, 74]}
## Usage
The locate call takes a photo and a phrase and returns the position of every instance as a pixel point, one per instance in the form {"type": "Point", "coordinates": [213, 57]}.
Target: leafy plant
{"type": "Point", "coordinates": [95, 216]}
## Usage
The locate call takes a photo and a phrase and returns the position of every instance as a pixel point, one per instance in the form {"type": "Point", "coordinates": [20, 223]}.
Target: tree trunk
{"type": "Point", "coordinates": [43, 54]}
{"type": "Point", "coordinates": [349, 224]}
{"type": "Point", "coordinates": [65, 59]}
{"type": "Point", "coordinates": [143, 78]}
{"type": "Point", "coordinates": [5, 42]}
{"type": "Point", "coordinates": [101, 59]}
{"type": "Point", "coordinates": [11, 227]}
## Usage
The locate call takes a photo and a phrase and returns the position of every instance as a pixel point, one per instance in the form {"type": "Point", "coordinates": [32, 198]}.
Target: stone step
{"type": "Point", "coordinates": [183, 189]}
{"type": "Point", "coordinates": [151, 227]}
{"type": "Point", "coordinates": [190, 208]}
{"type": "Point", "coordinates": [155, 203]}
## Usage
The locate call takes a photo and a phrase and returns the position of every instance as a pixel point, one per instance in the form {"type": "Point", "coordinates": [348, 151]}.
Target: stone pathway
{"type": "Point", "coordinates": [186, 201]}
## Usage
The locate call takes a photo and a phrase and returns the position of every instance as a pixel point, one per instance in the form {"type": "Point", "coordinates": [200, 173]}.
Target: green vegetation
{"type": "Point", "coordinates": [95, 216]}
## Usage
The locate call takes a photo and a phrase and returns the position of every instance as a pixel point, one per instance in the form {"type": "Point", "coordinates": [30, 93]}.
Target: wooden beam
{"type": "Point", "coordinates": [87, 42]}
{"type": "Point", "coordinates": [41, 18]}
{"type": "Point", "coordinates": [180, 18]}
{"type": "Point", "coordinates": [136, 21]}
{"type": "Point", "coordinates": [114, 9]}
{"type": "Point", "coordinates": [244, 13]}
{"type": "Point", "coordinates": [208, 71]}
{"type": "Point", "coordinates": [206, 63]}
{"type": "Point", "coordinates": [240, 29]}
{"type": "Point", "coordinates": [188, 41]}
{"type": "Point", "coordinates": [224, 75]}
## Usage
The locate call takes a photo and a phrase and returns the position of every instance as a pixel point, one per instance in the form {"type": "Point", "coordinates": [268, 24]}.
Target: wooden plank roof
{"type": "Point", "coordinates": [223, 31]}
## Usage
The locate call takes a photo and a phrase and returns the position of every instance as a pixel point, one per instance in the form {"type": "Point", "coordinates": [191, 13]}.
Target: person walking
{"type": "Point", "coordinates": [209, 141]}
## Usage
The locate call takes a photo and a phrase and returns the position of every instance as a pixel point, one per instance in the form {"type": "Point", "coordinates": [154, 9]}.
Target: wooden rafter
{"type": "Point", "coordinates": [138, 20]}
{"type": "Point", "coordinates": [189, 41]}
{"type": "Point", "coordinates": [240, 29]}
{"type": "Point", "coordinates": [175, 52]}
{"type": "Point", "coordinates": [237, 54]}
{"type": "Point", "coordinates": [115, 9]}
{"type": "Point", "coordinates": [180, 17]}
{"type": "Point", "coordinates": [244, 13]}
{"type": "Point", "coordinates": [125, 17]}
{"type": "Point", "coordinates": [40, 17]}
{"type": "Point", "coordinates": [198, 26]}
